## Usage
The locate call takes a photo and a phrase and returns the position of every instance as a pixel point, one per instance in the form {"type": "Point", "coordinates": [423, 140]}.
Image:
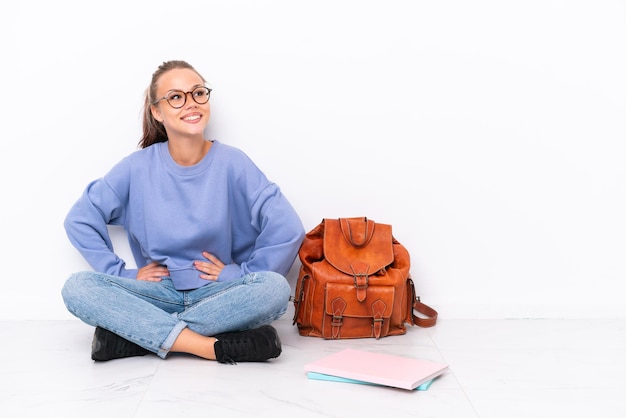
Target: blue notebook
{"type": "Point", "coordinates": [322, 376]}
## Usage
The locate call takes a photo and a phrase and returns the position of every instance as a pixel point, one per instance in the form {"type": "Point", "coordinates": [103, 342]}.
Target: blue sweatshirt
{"type": "Point", "coordinates": [224, 205]}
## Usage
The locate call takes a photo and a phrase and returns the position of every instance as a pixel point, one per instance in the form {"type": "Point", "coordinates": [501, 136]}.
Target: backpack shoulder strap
{"type": "Point", "coordinates": [428, 316]}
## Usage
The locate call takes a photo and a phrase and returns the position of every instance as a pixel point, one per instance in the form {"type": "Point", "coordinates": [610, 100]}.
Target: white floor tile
{"type": "Point", "coordinates": [497, 368]}
{"type": "Point", "coordinates": [549, 403]}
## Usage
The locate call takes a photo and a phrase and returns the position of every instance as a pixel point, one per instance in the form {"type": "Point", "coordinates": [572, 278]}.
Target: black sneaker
{"type": "Point", "coordinates": [258, 344]}
{"type": "Point", "coordinates": [108, 346]}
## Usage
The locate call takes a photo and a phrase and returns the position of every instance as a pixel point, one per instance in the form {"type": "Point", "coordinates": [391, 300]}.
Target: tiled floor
{"type": "Point", "coordinates": [498, 369]}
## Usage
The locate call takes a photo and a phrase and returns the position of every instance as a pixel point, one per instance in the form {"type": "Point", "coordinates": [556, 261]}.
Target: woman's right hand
{"type": "Point", "coordinates": [152, 272]}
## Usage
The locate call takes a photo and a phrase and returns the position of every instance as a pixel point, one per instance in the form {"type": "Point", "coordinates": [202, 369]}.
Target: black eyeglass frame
{"type": "Point", "coordinates": [184, 94]}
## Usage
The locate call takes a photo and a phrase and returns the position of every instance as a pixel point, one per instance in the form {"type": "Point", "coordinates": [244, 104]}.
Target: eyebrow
{"type": "Point", "coordinates": [192, 88]}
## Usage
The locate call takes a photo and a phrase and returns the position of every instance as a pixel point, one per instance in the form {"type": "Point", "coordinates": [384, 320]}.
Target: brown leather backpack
{"type": "Point", "coordinates": [354, 282]}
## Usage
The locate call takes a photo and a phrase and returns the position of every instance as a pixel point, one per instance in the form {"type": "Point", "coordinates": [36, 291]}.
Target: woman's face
{"type": "Point", "coordinates": [191, 118]}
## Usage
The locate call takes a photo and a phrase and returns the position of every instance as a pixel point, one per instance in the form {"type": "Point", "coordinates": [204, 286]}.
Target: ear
{"type": "Point", "coordinates": [156, 113]}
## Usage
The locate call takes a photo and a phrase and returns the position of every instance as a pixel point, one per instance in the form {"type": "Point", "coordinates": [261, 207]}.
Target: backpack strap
{"type": "Point", "coordinates": [429, 315]}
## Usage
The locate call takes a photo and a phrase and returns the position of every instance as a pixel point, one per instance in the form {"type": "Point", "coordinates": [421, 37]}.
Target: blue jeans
{"type": "Point", "coordinates": [152, 314]}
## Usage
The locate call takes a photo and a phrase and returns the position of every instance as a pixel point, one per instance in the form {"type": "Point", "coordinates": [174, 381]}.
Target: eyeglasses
{"type": "Point", "coordinates": [178, 98]}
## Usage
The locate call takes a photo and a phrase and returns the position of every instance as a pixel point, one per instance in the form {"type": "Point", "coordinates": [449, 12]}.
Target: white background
{"type": "Point", "coordinates": [489, 134]}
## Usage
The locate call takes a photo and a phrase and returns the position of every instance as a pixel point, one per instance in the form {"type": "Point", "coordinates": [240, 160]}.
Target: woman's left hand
{"type": "Point", "coordinates": [210, 269]}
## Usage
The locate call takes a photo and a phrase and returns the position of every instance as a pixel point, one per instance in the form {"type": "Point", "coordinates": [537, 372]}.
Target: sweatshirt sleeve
{"type": "Point", "coordinates": [86, 227]}
{"type": "Point", "coordinates": [280, 235]}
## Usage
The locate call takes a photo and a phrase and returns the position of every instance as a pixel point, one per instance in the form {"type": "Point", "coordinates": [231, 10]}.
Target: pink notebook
{"type": "Point", "coordinates": [383, 369]}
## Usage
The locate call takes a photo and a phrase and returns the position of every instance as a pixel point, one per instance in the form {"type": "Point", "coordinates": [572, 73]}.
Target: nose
{"type": "Point", "coordinates": [189, 101]}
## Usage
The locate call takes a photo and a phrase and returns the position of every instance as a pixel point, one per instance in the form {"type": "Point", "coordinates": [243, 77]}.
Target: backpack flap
{"type": "Point", "coordinates": [358, 246]}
